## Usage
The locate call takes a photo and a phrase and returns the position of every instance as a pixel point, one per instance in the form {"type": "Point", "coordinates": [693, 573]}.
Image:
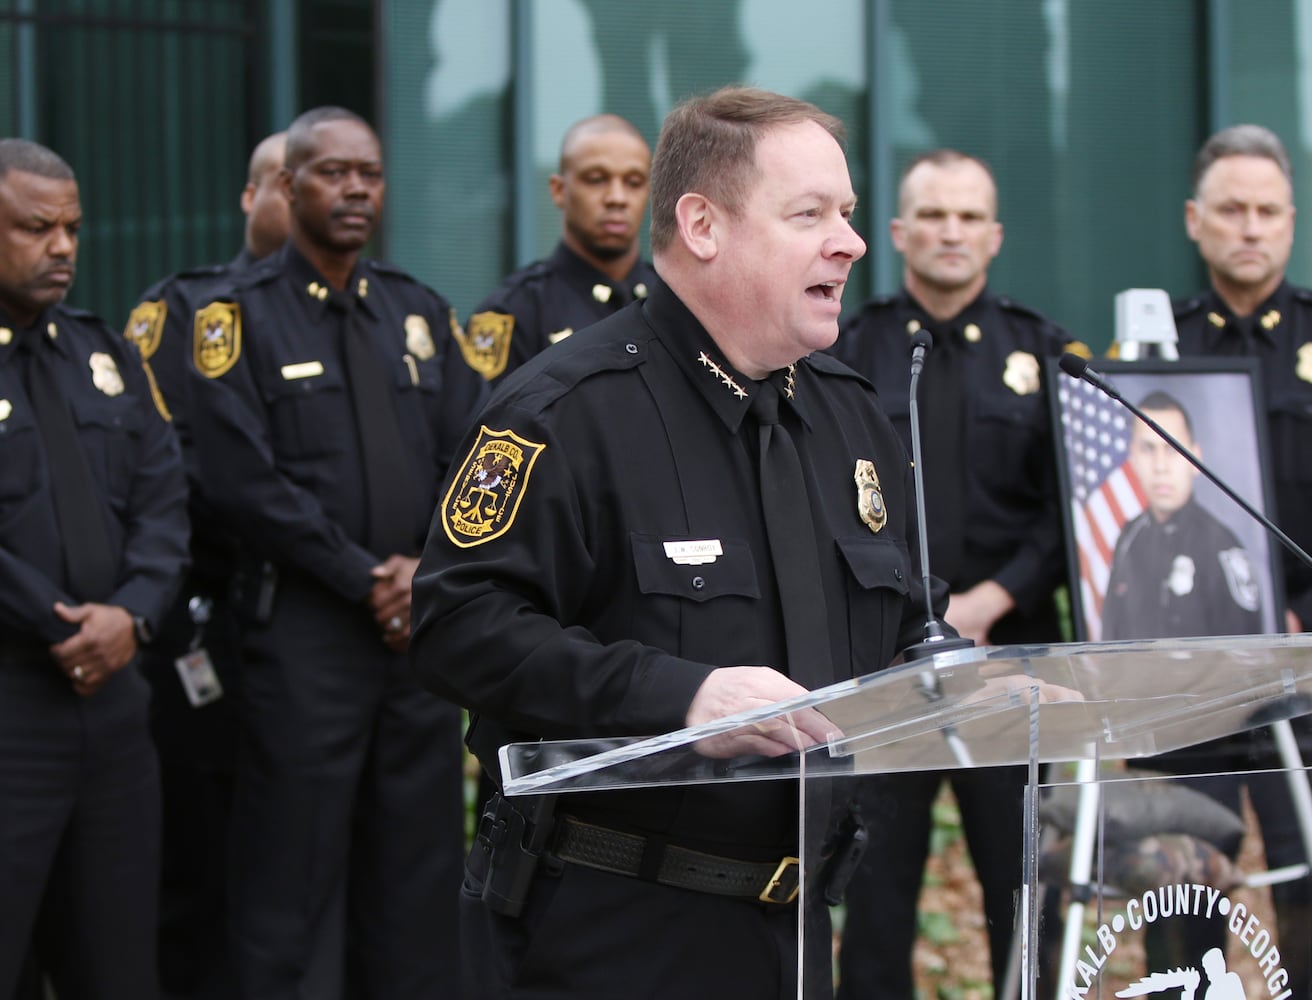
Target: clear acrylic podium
{"type": "Point", "coordinates": [1093, 703]}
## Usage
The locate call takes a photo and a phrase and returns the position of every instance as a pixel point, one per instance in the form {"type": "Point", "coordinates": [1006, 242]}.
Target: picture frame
{"type": "Point", "coordinates": [1222, 575]}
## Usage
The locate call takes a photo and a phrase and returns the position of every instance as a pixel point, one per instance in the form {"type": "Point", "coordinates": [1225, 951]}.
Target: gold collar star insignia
{"type": "Point", "coordinates": [789, 381]}
{"type": "Point", "coordinates": [721, 374]}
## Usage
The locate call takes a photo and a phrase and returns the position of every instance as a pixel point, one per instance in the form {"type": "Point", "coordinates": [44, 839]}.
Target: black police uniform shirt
{"type": "Point", "coordinates": [1188, 575]}
{"type": "Point", "coordinates": [541, 305]}
{"type": "Point", "coordinates": [132, 455]}
{"type": "Point", "coordinates": [160, 326]}
{"type": "Point", "coordinates": [1279, 335]}
{"type": "Point", "coordinates": [558, 594]}
{"type": "Point", "coordinates": [273, 419]}
{"type": "Point", "coordinates": [1006, 488]}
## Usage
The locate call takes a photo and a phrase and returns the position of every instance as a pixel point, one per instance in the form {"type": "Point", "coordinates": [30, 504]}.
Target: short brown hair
{"type": "Point", "coordinates": [708, 145]}
{"type": "Point", "coordinates": [942, 158]}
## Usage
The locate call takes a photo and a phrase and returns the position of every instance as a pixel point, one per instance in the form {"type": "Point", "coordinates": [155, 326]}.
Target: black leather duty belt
{"type": "Point", "coordinates": [623, 854]}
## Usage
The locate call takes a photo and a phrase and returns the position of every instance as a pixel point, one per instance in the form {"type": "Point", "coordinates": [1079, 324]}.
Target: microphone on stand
{"type": "Point", "coordinates": [936, 640]}
{"type": "Point", "coordinates": [1078, 368]}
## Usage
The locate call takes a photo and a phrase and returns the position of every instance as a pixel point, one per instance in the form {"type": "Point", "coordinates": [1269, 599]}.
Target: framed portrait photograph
{"type": "Point", "coordinates": [1155, 549]}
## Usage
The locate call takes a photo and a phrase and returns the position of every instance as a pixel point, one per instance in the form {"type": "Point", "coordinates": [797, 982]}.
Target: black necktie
{"type": "Point", "coordinates": [942, 430]}
{"type": "Point", "coordinates": [389, 495]}
{"type": "Point", "coordinates": [89, 564]}
{"type": "Point", "coordinates": [788, 522]}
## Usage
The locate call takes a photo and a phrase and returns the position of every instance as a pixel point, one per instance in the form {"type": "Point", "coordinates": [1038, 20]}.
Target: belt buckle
{"type": "Point", "coordinates": [784, 884]}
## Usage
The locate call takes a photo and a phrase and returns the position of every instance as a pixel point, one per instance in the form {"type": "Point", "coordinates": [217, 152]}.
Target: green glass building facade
{"type": "Point", "coordinates": [1089, 112]}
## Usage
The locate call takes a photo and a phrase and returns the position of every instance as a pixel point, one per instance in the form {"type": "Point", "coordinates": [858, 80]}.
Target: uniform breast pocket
{"type": "Point", "coordinates": [310, 417]}
{"type": "Point", "coordinates": [109, 429]}
{"type": "Point", "coordinates": [1291, 437]}
{"type": "Point", "coordinates": [1007, 436]}
{"type": "Point", "coordinates": [688, 603]}
{"type": "Point", "coordinates": [878, 584]}
{"type": "Point", "coordinates": [20, 451]}
{"type": "Point", "coordinates": [418, 387]}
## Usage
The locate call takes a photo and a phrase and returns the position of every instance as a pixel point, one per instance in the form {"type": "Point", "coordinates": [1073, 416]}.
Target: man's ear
{"type": "Point", "coordinates": [1192, 219]}
{"type": "Point", "coordinates": [897, 234]}
{"type": "Point", "coordinates": [556, 188]}
{"type": "Point", "coordinates": [285, 181]}
{"type": "Point", "coordinates": [695, 216]}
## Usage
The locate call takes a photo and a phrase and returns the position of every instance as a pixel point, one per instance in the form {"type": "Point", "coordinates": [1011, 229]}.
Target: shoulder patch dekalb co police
{"type": "Point", "coordinates": [481, 504]}
{"type": "Point", "coordinates": [217, 338]}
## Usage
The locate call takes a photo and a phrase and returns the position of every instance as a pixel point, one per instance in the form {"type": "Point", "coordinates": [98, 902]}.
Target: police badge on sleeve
{"type": "Point", "coordinates": [1240, 579]}
{"type": "Point", "coordinates": [481, 504]}
{"type": "Point", "coordinates": [485, 344]}
{"type": "Point", "coordinates": [217, 338]}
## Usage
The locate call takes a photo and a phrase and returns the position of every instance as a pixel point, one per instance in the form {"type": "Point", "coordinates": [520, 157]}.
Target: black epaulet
{"type": "Point", "coordinates": [548, 376]}
{"type": "Point", "coordinates": [206, 271]}
{"type": "Point", "coordinates": [1303, 295]}
{"type": "Point", "coordinates": [530, 273]}
{"type": "Point", "coordinates": [259, 273]}
{"type": "Point", "coordinates": [391, 270]}
{"type": "Point", "coordinates": [827, 365]}
{"type": "Point", "coordinates": [1187, 307]}
{"type": "Point", "coordinates": [78, 313]}
{"type": "Point", "coordinates": [159, 288]}
{"type": "Point", "coordinates": [1012, 306]}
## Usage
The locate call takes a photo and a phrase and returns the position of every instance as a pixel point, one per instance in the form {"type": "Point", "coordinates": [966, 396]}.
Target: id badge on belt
{"type": "Point", "coordinates": [195, 669]}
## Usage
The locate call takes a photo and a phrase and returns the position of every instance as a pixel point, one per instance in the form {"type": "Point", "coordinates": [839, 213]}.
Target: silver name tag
{"type": "Point", "coordinates": [694, 553]}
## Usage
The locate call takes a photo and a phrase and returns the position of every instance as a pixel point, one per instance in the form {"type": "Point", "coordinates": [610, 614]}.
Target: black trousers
{"type": "Point", "coordinates": [196, 748]}
{"type": "Point", "coordinates": [880, 927]}
{"type": "Point", "coordinates": [79, 839]}
{"type": "Point", "coordinates": [590, 934]}
{"type": "Point", "coordinates": [348, 816]}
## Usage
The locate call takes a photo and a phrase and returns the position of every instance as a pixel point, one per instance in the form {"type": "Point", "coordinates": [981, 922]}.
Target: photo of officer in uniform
{"type": "Point", "coordinates": [1177, 570]}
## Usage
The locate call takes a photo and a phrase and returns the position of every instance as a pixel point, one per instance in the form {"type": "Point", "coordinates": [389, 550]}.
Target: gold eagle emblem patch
{"type": "Point", "coordinates": [869, 497]}
{"type": "Point", "coordinates": [486, 342]}
{"type": "Point", "coordinates": [217, 338]}
{"type": "Point", "coordinates": [483, 500]}
{"type": "Point", "coordinates": [146, 326]}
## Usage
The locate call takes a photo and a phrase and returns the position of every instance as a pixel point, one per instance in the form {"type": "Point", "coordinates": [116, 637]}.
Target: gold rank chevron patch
{"type": "Point", "coordinates": [146, 326]}
{"type": "Point", "coordinates": [216, 338]}
{"type": "Point", "coordinates": [486, 342]}
{"type": "Point", "coordinates": [484, 498]}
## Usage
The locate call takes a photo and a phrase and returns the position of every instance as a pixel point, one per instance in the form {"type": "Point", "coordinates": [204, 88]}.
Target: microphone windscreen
{"type": "Point", "coordinates": [922, 338]}
{"type": "Point", "coordinates": [1073, 365]}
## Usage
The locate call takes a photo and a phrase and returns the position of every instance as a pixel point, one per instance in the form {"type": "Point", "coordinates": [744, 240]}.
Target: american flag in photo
{"type": "Point", "coordinates": [1104, 492]}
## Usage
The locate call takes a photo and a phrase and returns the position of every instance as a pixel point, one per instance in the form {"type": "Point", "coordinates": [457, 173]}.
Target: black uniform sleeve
{"type": "Point", "coordinates": [243, 484]}
{"type": "Point", "coordinates": [491, 620]}
{"type": "Point", "coordinates": [27, 601]}
{"type": "Point", "coordinates": [156, 532]}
